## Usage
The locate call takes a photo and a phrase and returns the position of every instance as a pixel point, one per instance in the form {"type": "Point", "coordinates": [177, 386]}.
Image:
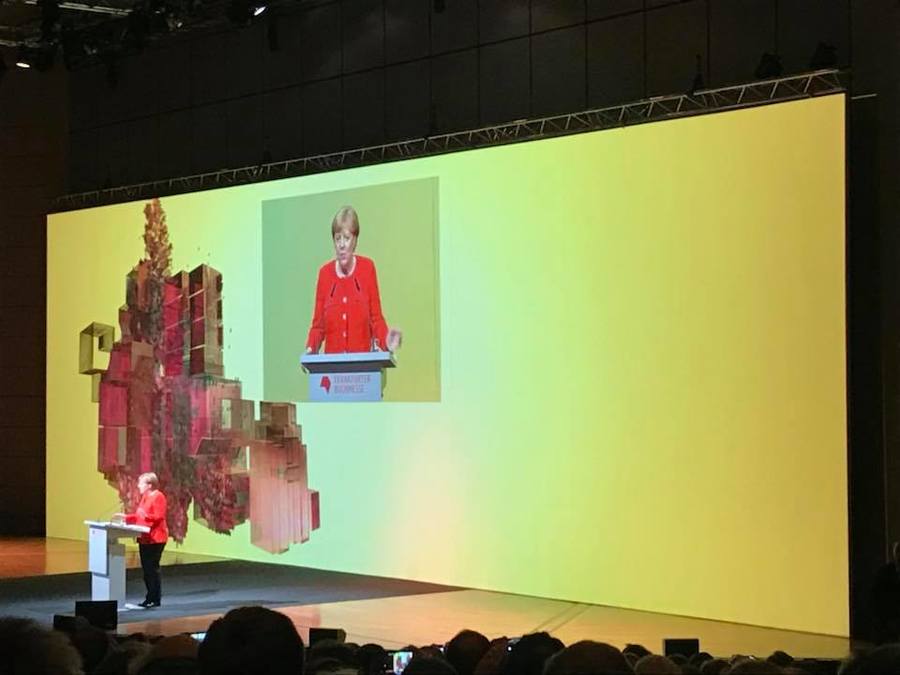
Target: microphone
{"type": "Point", "coordinates": [115, 505]}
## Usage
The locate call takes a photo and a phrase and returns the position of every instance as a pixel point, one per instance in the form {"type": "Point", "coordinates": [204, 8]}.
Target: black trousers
{"type": "Point", "coordinates": [150, 556]}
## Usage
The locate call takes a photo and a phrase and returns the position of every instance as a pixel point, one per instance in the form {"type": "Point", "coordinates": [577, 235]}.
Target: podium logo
{"type": "Point", "coordinates": [325, 383]}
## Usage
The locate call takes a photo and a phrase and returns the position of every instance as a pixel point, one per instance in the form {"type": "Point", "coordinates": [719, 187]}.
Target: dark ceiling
{"type": "Point", "coordinates": [85, 31]}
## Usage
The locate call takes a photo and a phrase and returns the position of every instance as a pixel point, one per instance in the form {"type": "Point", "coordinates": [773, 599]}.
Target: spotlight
{"type": "Point", "coordinates": [166, 17]}
{"type": "Point", "coordinates": [769, 66]}
{"type": "Point", "coordinates": [825, 56]}
{"type": "Point", "coordinates": [174, 21]}
{"type": "Point", "coordinates": [39, 58]}
{"type": "Point", "coordinates": [242, 12]}
{"type": "Point", "coordinates": [24, 58]}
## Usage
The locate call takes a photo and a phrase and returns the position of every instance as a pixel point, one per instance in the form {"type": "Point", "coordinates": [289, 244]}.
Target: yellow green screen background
{"type": "Point", "coordinates": [642, 371]}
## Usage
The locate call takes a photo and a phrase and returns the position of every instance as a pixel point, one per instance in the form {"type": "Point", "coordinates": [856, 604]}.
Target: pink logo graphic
{"type": "Point", "coordinates": [325, 383]}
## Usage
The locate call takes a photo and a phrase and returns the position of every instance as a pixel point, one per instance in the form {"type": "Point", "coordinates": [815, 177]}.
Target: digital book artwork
{"type": "Point", "coordinates": [165, 405]}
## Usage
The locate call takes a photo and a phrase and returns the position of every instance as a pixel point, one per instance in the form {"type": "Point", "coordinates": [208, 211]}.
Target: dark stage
{"type": "Point", "coordinates": [206, 588]}
{"type": "Point", "coordinates": [43, 577]}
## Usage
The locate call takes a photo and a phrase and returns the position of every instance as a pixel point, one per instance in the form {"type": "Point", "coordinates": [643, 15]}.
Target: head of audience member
{"type": "Point", "coordinates": [494, 660]}
{"type": "Point", "coordinates": [372, 659]}
{"type": "Point", "coordinates": [93, 644]}
{"type": "Point", "coordinates": [780, 658]}
{"type": "Point", "coordinates": [678, 659]}
{"type": "Point", "coordinates": [329, 666]}
{"type": "Point", "coordinates": [465, 650]}
{"type": "Point", "coordinates": [27, 648]}
{"type": "Point", "coordinates": [634, 653]}
{"type": "Point", "coordinates": [751, 666]}
{"type": "Point", "coordinates": [714, 666]}
{"type": "Point", "coordinates": [433, 651]}
{"type": "Point", "coordinates": [884, 660]}
{"type": "Point", "coordinates": [637, 650]}
{"type": "Point", "coordinates": [588, 658]}
{"type": "Point", "coordinates": [428, 665]}
{"type": "Point", "coordinates": [656, 664]}
{"type": "Point", "coordinates": [173, 655]}
{"type": "Point", "coordinates": [333, 649]}
{"type": "Point", "coordinates": [528, 655]}
{"type": "Point", "coordinates": [251, 641]}
{"type": "Point", "coordinates": [699, 659]}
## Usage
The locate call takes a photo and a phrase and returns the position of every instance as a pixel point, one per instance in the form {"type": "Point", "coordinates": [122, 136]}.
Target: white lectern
{"type": "Point", "coordinates": [106, 558]}
{"type": "Point", "coordinates": [349, 376]}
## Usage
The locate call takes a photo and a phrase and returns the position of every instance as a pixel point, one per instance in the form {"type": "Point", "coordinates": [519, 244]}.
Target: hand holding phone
{"type": "Point", "coordinates": [399, 661]}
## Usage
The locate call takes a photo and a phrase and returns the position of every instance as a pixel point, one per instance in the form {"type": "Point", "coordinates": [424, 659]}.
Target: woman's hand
{"type": "Point", "coordinates": [394, 339]}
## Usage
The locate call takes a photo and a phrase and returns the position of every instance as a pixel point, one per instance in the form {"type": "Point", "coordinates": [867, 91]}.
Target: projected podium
{"type": "Point", "coordinates": [352, 376]}
{"type": "Point", "coordinates": [106, 558]}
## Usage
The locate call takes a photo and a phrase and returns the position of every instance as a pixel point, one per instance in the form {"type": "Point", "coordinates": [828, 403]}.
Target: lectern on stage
{"type": "Point", "coordinates": [351, 376]}
{"type": "Point", "coordinates": [106, 558]}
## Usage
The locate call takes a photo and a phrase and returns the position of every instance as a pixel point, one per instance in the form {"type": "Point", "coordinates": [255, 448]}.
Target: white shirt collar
{"type": "Point", "coordinates": [340, 273]}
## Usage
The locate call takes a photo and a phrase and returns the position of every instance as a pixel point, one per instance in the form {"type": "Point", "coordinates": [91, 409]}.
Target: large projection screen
{"type": "Point", "coordinates": [623, 377]}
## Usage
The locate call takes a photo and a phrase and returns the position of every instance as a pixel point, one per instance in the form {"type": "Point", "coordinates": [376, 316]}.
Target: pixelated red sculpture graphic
{"type": "Point", "coordinates": [165, 406]}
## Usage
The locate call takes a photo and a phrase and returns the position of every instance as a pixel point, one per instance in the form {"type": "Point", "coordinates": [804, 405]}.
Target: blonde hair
{"type": "Point", "coordinates": [344, 215]}
{"type": "Point", "coordinates": [151, 478]}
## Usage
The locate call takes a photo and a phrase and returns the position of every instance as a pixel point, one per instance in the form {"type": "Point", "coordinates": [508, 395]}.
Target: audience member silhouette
{"type": "Point", "coordinates": [714, 667]}
{"type": "Point", "coordinates": [330, 656]}
{"type": "Point", "coordinates": [465, 650]}
{"type": "Point", "coordinates": [656, 664]}
{"type": "Point", "coordinates": [428, 665]}
{"type": "Point", "coordinates": [884, 660]}
{"type": "Point", "coordinates": [251, 641]}
{"type": "Point", "coordinates": [528, 655]}
{"type": "Point", "coordinates": [494, 660]}
{"type": "Point", "coordinates": [750, 666]}
{"type": "Point", "coordinates": [372, 659]}
{"type": "Point", "coordinates": [173, 655]}
{"type": "Point", "coordinates": [260, 641]}
{"type": "Point", "coordinates": [589, 658]}
{"type": "Point", "coordinates": [886, 599]}
{"type": "Point", "coordinates": [27, 648]}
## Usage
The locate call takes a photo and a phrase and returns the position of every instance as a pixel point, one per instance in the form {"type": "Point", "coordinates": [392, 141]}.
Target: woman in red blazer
{"type": "Point", "coordinates": [151, 512]}
{"type": "Point", "coordinates": [347, 315]}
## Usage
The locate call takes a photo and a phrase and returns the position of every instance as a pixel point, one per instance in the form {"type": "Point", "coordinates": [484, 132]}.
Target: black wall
{"type": "Point", "coordinates": [350, 73]}
{"type": "Point", "coordinates": [32, 166]}
{"type": "Point", "coordinates": [364, 72]}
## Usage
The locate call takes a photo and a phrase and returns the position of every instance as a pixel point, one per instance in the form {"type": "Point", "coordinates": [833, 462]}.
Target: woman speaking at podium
{"type": "Point", "coordinates": [151, 512]}
{"type": "Point", "coordinates": [347, 314]}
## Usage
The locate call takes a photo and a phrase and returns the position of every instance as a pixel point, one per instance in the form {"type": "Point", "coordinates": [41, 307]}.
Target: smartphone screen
{"type": "Point", "coordinates": [400, 660]}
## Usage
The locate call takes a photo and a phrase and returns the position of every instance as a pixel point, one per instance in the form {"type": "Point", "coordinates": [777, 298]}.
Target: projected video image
{"type": "Point", "coordinates": [165, 406]}
{"type": "Point", "coordinates": [353, 273]}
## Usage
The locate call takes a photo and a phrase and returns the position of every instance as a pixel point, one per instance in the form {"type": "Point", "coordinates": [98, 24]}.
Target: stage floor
{"type": "Point", "coordinates": [40, 577]}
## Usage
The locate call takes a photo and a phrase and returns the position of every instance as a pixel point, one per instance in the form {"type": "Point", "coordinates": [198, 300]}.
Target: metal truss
{"type": "Point", "coordinates": [806, 85]}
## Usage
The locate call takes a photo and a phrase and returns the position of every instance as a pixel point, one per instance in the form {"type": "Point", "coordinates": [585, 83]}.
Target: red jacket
{"type": "Point", "coordinates": [151, 512]}
{"type": "Point", "coordinates": [347, 314]}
